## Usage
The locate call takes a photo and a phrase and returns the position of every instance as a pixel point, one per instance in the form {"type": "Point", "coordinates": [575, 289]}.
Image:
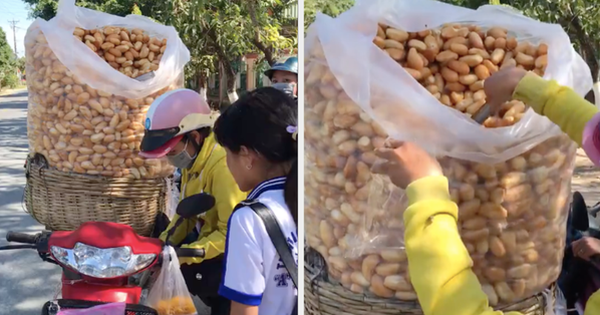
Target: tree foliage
{"type": "Point", "coordinates": [46, 9]}
{"type": "Point", "coordinates": [20, 63]}
{"type": "Point", "coordinates": [8, 62]}
{"type": "Point", "coordinates": [330, 7]}
{"type": "Point", "coordinates": [219, 33]}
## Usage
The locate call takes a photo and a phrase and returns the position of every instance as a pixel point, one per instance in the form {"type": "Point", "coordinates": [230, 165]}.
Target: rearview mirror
{"type": "Point", "coordinates": [195, 205]}
{"type": "Point", "coordinates": [189, 207]}
{"type": "Point", "coordinates": [580, 220]}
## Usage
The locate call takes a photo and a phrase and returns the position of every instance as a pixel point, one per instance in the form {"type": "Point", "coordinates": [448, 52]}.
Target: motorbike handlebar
{"type": "Point", "coordinates": [32, 239]}
{"type": "Point", "coordinates": [184, 252]}
{"type": "Point", "coordinates": [21, 238]}
{"type": "Point", "coordinates": [189, 252]}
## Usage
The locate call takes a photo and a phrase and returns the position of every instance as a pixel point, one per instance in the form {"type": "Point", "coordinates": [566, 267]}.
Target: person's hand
{"type": "Point", "coordinates": [586, 247]}
{"type": "Point", "coordinates": [404, 163]}
{"type": "Point", "coordinates": [500, 87]}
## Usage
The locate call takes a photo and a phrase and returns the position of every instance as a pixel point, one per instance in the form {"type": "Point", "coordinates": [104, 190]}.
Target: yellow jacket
{"type": "Point", "coordinates": [209, 174]}
{"type": "Point", "coordinates": [439, 263]}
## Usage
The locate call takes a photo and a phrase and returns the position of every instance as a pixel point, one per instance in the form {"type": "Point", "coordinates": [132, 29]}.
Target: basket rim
{"type": "Point", "coordinates": [35, 163]}
{"type": "Point", "coordinates": [317, 285]}
{"type": "Point", "coordinates": [62, 201]}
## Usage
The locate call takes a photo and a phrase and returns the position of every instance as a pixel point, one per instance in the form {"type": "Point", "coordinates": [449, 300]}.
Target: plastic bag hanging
{"type": "Point", "coordinates": [169, 294]}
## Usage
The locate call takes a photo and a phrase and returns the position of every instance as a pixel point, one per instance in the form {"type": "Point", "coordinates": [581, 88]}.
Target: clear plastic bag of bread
{"type": "Point", "coordinates": [169, 295]}
{"type": "Point", "coordinates": [414, 71]}
{"type": "Point", "coordinates": [91, 78]}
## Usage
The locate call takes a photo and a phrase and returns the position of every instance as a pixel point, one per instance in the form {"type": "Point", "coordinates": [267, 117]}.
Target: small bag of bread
{"type": "Point", "coordinates": [91, 78]}
{"type": "Point", "coordinates": [169, 294]}
{"type": "Point", "coordinates": [414, 71]}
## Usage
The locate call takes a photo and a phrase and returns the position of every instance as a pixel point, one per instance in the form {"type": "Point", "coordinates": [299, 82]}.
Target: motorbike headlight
{"type": "Point", "coordinates": [102, 262]}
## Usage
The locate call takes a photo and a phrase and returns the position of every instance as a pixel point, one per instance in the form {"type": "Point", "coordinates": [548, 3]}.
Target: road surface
{"type": "Point", "coordinates": [26, 282]}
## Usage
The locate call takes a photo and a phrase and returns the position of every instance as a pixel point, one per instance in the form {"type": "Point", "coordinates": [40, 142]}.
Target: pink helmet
{"type": "Point", "coordinates": [170, 117]}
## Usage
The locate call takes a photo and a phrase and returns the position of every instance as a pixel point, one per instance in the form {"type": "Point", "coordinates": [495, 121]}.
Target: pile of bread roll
{"type": "Point", "coordinates": [83, 130]}
{"type": "Point", "coordinates": [512, 214]}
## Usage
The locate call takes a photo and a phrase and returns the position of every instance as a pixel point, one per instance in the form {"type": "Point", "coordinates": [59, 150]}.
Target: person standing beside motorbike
{"type": "Point", "coordinates": [179, 126]}
{"type": "Point", "coordinates": [284, 76]}
{"type": "Point", "coordinates": [259, 133]}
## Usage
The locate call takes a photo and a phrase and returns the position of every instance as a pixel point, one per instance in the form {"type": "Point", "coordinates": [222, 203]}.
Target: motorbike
{"type": "Point", "coordinates": [580, 279]}
{"type": "Point", "coordinates": [105, 262]}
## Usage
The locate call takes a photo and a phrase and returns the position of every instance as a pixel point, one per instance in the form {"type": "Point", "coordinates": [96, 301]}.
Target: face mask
{"type": "Point", "coordinates": [183, 160]}
{"type": "Point", "coordinates": [288, 88]}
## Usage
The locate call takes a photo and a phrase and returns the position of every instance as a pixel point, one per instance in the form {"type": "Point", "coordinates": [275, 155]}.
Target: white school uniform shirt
{"type": "Point", "coordinates": [254, 274]}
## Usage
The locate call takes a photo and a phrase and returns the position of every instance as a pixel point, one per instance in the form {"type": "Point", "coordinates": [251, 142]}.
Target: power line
{"type": "Point", "coordinates": [13, 24]}
{"type": "Point", "coordinates": [12, 8]}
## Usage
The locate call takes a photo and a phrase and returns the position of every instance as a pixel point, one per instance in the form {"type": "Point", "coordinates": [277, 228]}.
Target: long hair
{"type": "Point", "coordinates": [260, 121]}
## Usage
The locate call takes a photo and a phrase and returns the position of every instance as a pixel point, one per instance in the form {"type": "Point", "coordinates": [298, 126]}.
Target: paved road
{"type": "Point", "coordinates": [26, 282]}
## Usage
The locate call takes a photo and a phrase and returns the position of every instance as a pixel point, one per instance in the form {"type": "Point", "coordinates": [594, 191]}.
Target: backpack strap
{"type": "Point", "coordinates": [277, 237]}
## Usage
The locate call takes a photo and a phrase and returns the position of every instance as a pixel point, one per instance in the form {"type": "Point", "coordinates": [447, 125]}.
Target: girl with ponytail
{"type": "Point", "coordinates": [259, 133]}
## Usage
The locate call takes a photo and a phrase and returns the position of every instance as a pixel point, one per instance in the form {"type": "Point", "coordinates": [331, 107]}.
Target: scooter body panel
{"type": "Point", "coordinates": [82, 290]}
{"type": "Point", "coordinates": [106, 235]}
{"type": "Point", "coordinates": [76, 286]}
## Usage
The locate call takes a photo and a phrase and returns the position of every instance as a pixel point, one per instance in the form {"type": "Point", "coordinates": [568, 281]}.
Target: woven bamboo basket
{"type": "Point", "coordinates": [323, 297]}
{"type": "Point", "coordinates": [63, 201]}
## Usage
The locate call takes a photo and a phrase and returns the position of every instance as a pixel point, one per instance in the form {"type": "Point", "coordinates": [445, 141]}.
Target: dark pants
{"type": "Point", "coordinates": [202, 279]}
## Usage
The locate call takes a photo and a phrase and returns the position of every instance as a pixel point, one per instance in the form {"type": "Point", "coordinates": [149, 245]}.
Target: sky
{"type": "Point", "coordinates": [14, 10]}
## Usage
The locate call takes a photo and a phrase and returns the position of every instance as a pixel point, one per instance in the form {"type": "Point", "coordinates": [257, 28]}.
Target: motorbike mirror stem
{"type": "Point", "coordinates": [195, 205]}
{"type": "Point", "coordinates": [594, 211]}
{"type": "Point", "coordinates": [190, 207]}
{"type": "Point", "coordinates": [579, 212]}
{"type": "Point", "coordinates": [172, 231]}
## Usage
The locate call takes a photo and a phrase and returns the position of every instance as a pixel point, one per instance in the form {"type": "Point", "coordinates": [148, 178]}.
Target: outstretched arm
{"type": "Point", "coordinates": [560, 104]}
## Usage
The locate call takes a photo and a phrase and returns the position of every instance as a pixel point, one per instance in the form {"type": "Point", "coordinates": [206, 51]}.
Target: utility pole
{"type": "Point", "coordinates": [13, 24]}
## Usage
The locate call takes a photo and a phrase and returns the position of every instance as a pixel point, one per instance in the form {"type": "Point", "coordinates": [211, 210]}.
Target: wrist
{"type": "Point", "coordinates": [531, 89]}
{"type": "Point", "coordinates": [434, 187]}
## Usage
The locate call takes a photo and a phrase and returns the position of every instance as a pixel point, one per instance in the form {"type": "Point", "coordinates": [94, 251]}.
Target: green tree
{"type": "Point", "coordinates": [219, 32]}
{"type": "Point", "coordinates": [330, 7]}
{"type": "Point", "coordinates": [21, 64]}
{"type": "Point", "coordinates": [268, 32]}
{"type": "Point", "coordinates": [8, 62]}
{"type": "Point", "coordinates": [46, 9]}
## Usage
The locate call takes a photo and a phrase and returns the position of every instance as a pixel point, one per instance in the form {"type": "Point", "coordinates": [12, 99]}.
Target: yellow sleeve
{"type": "Point", "coordinates": [186, 227]}
{"type": "Point", "coordinates": [439, 264]}
{"type": "Point", "coordinates": [227, 196]}
{"type": "Point", "coordinates": [592, 307]}
{"type": "Point", "coordinates": [560, 104]}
